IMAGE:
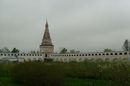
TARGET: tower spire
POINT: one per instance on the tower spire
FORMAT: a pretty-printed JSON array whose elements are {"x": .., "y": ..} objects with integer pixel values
[
  {"x": 46, "y": 37},
  {"x": 46, "y": 25},
  {"x": 46, "y": 46}
]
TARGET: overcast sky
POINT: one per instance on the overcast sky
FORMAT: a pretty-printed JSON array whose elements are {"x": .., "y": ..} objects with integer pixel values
[{"x": 84, "y": 25}]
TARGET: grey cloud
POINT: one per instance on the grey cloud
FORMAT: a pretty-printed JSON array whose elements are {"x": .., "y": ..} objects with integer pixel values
[{"x": 86, "y": 25}]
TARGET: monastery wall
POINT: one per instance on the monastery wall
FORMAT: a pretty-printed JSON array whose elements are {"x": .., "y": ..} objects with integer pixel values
[
  {"x": 90, "y": 56},
  {"x": 21, "y": 57},
  {"x": 65, "y": 57}
]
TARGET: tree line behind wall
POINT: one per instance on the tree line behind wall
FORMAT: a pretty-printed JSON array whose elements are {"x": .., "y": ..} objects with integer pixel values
[
  {"x": 16, "y": 50},
  {"x": 6, "y": 50}
]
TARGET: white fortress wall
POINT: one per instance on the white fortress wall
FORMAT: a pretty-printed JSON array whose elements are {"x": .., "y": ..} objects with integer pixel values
[
  {"x": 90, "y": 56},
  {"x": 65, "y": 57},
  {"x": 21, "y": 57}
]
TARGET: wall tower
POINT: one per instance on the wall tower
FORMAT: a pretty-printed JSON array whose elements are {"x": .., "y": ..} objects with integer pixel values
[{"x": 46, "y": 46}]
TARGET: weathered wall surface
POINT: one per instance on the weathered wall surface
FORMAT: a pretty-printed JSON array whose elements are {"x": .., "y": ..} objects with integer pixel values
[
  {"x": 21, "y": 57},
  {"x": 90, "y": 56},
  {"x": 66, "y": 57}
]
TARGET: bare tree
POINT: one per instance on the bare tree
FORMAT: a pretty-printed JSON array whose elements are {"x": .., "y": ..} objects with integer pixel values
[{"x": 4, "y": 50}]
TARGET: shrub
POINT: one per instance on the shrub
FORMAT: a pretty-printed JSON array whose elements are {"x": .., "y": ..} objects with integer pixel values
[
  {"x": 38, "y": 74},
  {"x": 53, "y": 74},
  {"x": 117, "y": 70}
]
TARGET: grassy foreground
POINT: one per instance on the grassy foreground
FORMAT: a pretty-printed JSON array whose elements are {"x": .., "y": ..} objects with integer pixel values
[
  {"x": 88, "y": 73},
  {"x": 5, "y": 75}
]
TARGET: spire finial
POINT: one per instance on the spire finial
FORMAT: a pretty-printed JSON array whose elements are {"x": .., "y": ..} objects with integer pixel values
[{"x": 46, "y": 23}]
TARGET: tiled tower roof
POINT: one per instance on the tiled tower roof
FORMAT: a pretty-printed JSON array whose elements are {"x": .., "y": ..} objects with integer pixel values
[{"x": 46, "y": 41}]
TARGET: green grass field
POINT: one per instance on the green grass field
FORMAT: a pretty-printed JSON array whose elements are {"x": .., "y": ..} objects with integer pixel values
[
  {"x": 73, "y": 79},
  {"x": 7, "y": 81},
  {"x": 5, "y": 75},
  {"x": 89, "y": 82}
]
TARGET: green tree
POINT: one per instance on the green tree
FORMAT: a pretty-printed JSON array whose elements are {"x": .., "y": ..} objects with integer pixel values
[
  {"x": 107, "y": 50},
  {"x": 34, "y": 52},
  {"x": 15, "y": 50},
  {"x": 64, "y": 50},
  {"x": 74, "y": 51},
  {"x": 126, "y": 46},
  {"x": 0, "y": 50}
]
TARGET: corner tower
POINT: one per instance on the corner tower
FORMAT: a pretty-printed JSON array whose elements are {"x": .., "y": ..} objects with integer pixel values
[{"x": 46, "y": 46}]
